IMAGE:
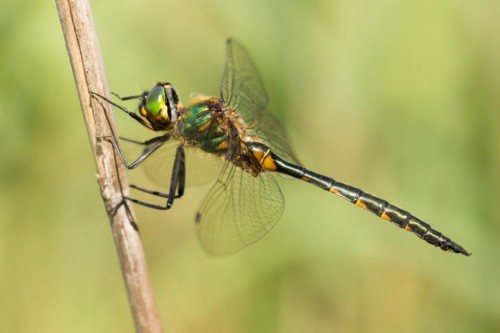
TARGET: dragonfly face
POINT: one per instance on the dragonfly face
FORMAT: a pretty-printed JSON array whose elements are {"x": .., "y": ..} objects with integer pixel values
[
  {"x": 248, "y": 145},
  {"x": 159, "y": 106}
]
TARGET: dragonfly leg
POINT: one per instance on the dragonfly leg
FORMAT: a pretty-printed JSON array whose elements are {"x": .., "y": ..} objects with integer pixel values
[
  {"x": 151, "y": 146},
  {"x": 177, "y": 184},
  {"x": 144, "y": 143},
  {"x": 130, "y": 113},
  {"x": 126, "y": 98}
]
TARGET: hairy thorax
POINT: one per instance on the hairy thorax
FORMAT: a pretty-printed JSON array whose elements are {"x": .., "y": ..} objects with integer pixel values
[{"x": 213, "y": 126}]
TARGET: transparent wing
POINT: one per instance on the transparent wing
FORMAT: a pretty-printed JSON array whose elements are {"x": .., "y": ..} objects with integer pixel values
[
  {"x": 201, "y": 168},
  {"x": 242, "y": 88},
  {"x": 239, "y": 210},
  {"x": 241, "y": 83},
  {"x": 269, "y": 129}
]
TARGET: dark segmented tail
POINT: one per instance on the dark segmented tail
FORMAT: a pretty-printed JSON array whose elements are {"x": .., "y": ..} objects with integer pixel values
[{"x": 375, "y": 205}]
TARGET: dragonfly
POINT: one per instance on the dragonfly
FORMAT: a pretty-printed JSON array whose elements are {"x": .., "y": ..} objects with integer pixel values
[{"x": 236, "y": 140}]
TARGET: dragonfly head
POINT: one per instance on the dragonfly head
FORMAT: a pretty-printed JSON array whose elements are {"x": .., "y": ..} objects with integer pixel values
[{"x": 159, "y": 106}]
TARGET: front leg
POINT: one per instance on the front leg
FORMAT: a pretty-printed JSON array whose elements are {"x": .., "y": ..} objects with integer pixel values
[{"x": 151, "y": 146}]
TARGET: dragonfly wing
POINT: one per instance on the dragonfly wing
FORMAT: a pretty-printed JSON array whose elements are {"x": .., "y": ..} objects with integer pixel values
[
  {"x": 201, "y": 168},
  {"x": 268, "y": 128},
  {"x": 242, "y": 88},
  {"x": 239, "y": 210},
  {"x": 241, "y": 82}
]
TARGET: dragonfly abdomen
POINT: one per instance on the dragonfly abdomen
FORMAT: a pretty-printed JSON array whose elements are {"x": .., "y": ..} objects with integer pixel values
[
  {"x": 396, "y": 215},
  {"x": 383, "y": 209}
]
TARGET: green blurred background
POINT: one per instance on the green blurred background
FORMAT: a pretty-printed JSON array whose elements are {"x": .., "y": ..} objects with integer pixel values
[{"x": 400, "y": 98}]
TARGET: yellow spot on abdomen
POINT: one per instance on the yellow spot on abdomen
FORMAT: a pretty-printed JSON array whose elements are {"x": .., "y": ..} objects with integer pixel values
[
  {"x": 385, "y": 216},
  {"x": 265, "y": 159},
  {"x": 333, "y": 190},
  {"x": 268, "y": 164},
  {"x": 259, "y": 155},
  {"x": 361, "y": 204}
]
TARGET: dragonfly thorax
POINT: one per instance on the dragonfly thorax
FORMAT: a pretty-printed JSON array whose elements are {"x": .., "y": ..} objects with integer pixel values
[
  {"x": 213, "y": 126},
  {"x": 206, "y": 123}
]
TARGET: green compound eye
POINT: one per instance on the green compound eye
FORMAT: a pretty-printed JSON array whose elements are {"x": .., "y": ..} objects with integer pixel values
[{"x": 155, "y": 100}]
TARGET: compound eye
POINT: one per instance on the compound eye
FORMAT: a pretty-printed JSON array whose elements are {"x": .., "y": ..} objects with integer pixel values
[{"x": 155, "y": 101}]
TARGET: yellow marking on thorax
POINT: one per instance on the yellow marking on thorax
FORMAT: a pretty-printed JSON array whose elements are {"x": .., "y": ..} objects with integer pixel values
[
  {"x": 205, "y": 126},
  {"x": 222, "y": 146}
]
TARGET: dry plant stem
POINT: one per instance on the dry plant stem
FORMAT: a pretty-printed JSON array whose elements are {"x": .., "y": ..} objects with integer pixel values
[{"x": 85, "y": 56}]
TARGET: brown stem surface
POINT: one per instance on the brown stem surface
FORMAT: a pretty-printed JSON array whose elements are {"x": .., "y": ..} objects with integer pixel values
[{"x": 88, "y": 69}]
